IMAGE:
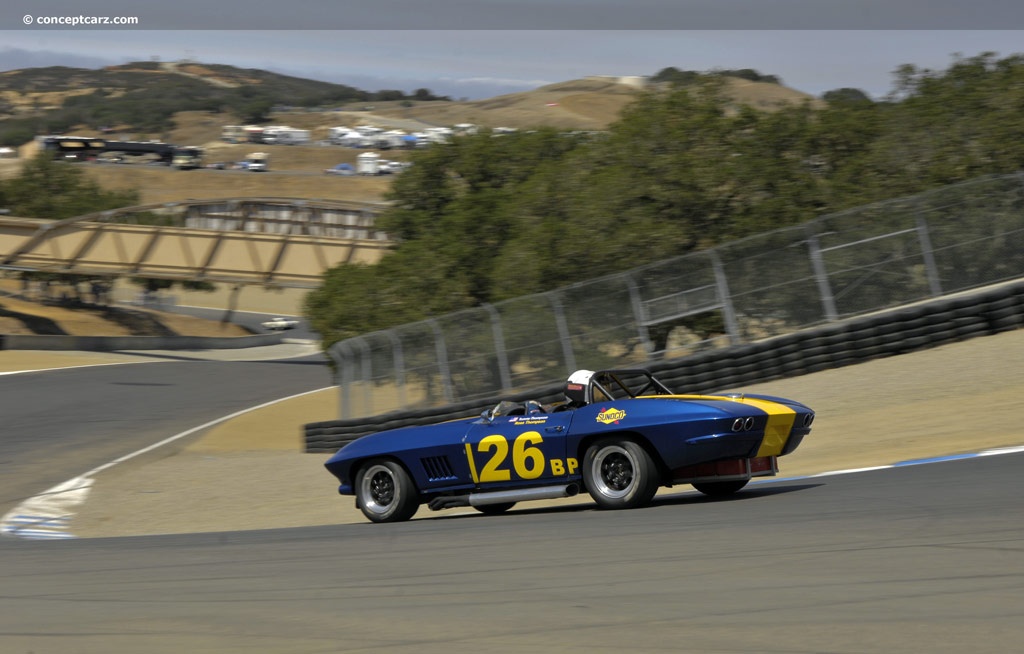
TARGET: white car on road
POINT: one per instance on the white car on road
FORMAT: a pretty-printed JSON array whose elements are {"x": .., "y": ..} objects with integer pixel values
[{"x": 280, "y": 323}]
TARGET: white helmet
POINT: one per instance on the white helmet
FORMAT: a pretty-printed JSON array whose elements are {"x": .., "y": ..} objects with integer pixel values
[{"x": 577, "y": 388}]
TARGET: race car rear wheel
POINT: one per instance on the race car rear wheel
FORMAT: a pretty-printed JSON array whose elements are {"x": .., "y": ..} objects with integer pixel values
[
  {"x": 720, "y": 488},
  {"x": 619, "y": 474},
  {"x": 385, "y": 492},
  {"x": 494, "y": 509}
]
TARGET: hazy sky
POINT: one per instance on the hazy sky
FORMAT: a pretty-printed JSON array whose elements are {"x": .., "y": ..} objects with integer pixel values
[{"x": 480, "y": 61}]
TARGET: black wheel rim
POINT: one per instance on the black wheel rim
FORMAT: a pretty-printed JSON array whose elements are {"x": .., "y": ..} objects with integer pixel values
[
  {"x": 614, "y": 471},
  {"x": 378, "y": 489}
]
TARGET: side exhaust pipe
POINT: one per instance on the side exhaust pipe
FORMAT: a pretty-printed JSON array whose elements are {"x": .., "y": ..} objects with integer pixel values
[
  {"x": 499, "y": 497},
  {"x": 523, "y": 495}
]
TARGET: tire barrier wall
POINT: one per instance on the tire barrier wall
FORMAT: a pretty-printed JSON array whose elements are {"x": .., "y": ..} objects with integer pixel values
[
  {"x": 115, "y": 343},
  {"x": 899, "y": 331}
]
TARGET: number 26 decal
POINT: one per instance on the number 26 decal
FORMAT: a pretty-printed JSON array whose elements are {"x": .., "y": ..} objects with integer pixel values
[{"x": 528, "y": 460}]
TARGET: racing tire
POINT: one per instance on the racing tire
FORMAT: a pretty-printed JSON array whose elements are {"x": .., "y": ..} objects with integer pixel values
[
  {"x": 619, "y": 474},
  {"x": 494, "y": 509},
  {"x": 385, "y": 492},
  {"x": 720, "y": 488}
]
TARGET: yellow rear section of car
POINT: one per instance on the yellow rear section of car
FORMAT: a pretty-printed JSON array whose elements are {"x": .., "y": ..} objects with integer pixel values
[
  {"x": 780, "y": 419},
  {"x": 780, "y": 424}
]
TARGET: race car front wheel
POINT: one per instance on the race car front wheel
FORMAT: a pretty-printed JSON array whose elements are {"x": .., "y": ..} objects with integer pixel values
[
  {"x": 385, "y": 492},
  {"x": 619, "y": 474}
]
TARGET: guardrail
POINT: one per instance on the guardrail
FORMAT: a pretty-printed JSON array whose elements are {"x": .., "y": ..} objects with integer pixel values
[
  {"x": 907, "y": 329},
  {"x": 831, "y": 269}
]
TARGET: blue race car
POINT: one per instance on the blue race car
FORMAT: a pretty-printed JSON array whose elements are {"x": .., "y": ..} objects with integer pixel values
[{"x": 619, "y": 435}]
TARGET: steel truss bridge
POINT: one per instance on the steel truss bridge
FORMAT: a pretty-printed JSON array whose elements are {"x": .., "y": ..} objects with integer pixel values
[{"x": 280, "y": 242}]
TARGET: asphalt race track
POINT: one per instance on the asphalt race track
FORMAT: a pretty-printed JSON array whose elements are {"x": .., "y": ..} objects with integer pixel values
[
  {"x": 909, "y": 559},
  {"x": 923, "y": 558},
  {"x": 912, "y": 559},
  {"x": 60, "y": 424}
]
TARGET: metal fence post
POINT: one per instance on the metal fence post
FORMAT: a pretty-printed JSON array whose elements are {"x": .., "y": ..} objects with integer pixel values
[
  {"x": 929, "y": 256},
  {"x": 398, "y": 356},
  {"x": 638, "y": 313},
  {"x": 563, "y": 331},
  {"x": 499, "y": 347},
  {"x": 442, "y": 360},
  {"x": 722, "y": 283},
  {"x": 828, "y": 301},
  {"x": 343, "y": 377},
  {"x": 366, "y": 369}
]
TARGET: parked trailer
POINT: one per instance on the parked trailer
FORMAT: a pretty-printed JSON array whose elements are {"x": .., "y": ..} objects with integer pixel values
[
  {"x": 337, "y": 134},
  {"x": 253, "y": 134},
  {"x": 393, "y": 139},
  {"x": 292, "y": 136},
  {"x": 285, "y": 135},
  {"x": 233, "y": 134}
]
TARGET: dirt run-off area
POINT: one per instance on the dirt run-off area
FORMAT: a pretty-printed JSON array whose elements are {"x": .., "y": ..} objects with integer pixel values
[{"x": 251, "y": 472}]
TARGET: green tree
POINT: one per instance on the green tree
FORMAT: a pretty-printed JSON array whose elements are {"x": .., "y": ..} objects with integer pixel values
[
  {"x": 487, "y": 218},
  {"x": 54, "y": 190},
  {"x": 454, "y": 215},
  {"x": 846, "y": 95}
]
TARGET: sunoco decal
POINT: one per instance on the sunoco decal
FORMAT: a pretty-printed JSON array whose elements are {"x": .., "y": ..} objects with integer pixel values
[{"x": 611, "y": 415}]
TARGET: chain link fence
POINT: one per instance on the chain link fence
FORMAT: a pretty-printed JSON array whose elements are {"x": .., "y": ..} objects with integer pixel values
[{"x": 841, "y": 265}]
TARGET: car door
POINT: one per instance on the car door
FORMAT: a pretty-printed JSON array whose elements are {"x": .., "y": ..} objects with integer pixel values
[{"x": 525, "y": 450}]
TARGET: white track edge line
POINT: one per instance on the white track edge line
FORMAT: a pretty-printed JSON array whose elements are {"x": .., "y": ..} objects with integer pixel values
[
  {"x": 84, "y": 365},
  {"x": 49, "y": 506}
]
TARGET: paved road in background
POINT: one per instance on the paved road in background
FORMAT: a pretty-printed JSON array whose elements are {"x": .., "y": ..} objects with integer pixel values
[
  {"x": 248, "y": 319},
  {"x": 60, "y": 424},
  {"x": 928, "y": 558}
]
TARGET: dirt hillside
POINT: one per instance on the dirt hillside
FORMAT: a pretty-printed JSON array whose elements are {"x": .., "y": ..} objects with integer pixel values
[
  {"x": 297, "y": 171},
  {"x": 593, "y": 103}
]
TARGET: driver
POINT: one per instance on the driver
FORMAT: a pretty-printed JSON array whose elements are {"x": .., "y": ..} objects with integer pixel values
[{"x": 577, "y": 389}]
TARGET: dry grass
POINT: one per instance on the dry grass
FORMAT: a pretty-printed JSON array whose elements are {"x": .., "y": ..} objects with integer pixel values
[
  {"x": 297, "y": 171},
  {"x": 563, "y": 106},
  {"x": 23, "y": 104},
  {"x": 766, "y": 96},
  {"x": 585, "y": 104},
  {"x": 159, "y": 184}
]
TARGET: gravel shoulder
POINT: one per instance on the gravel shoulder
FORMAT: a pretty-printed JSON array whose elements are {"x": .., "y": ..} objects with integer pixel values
[{"x": 251, "y": 473}]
